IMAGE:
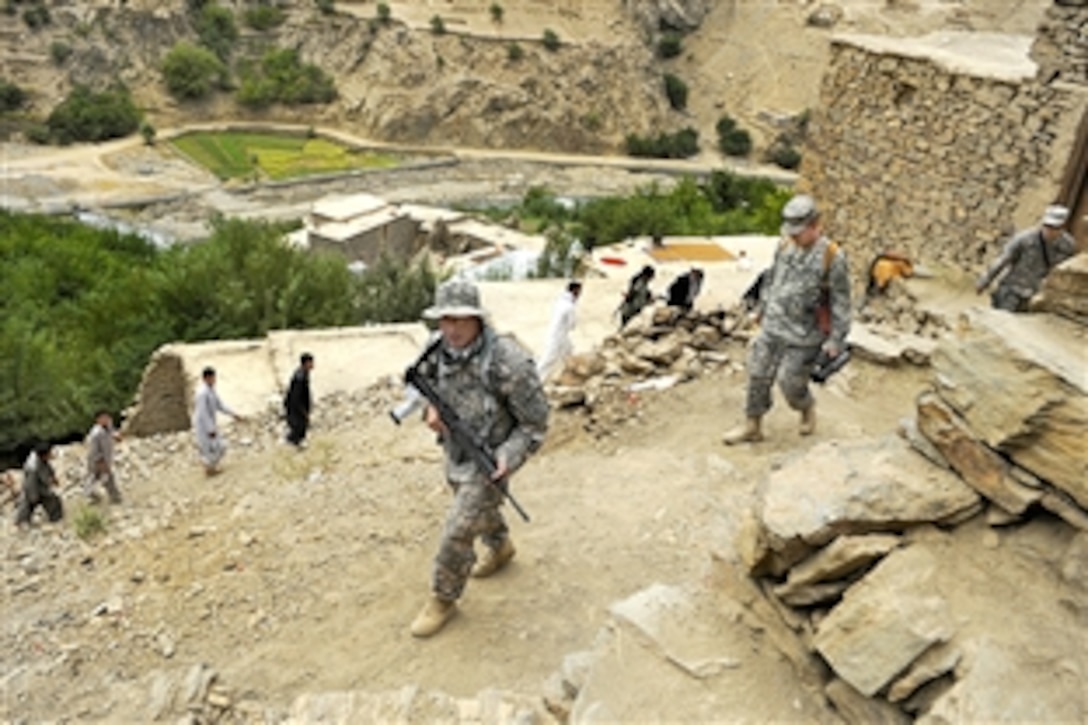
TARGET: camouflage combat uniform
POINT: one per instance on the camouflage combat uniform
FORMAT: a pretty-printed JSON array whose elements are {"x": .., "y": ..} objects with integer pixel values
[
  {"x": 1029, "y": 258},
  {"x": 790, "y": 340},
  {"x": 494, "y": 387}
]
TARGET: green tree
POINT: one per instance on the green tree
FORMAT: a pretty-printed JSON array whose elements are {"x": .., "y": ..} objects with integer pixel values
[
  {"x": 217, "y": 30},
  {"x": 327, "y": 7},
  {"x": 282, "y": 77},
  {"x": 676, "y": 91},
  {"x": 385, "y": 14},
  {"x": 396, "y": 291},
  {"x": 496, "y": 12},
  {"x": 550, "y": 40},
  {"x": 437, "y": 26},
  {"x": 192, "y": 72},
  {"x": 88, "y": 116},
  {"x": 59, "y": 51},
  {"x": 264, "y": 17},
  {"x": 670, "y": 46},
  {"x": 147, "y": 131},
  {"x": 514, "y": 52}
]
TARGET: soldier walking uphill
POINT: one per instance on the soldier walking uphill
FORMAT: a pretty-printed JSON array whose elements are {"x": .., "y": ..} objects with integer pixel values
[
  {"x": 1029, "y": 257},
  {"x": 809, "y": 275},
  {"x": 493, "y": 385}
]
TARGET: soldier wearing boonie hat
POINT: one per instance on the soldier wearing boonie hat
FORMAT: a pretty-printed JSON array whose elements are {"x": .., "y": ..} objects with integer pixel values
[
  {"x": 493, "y": 384},
  {"x": 809, "y": 274},
  {"x": 1029, "y": 257}
]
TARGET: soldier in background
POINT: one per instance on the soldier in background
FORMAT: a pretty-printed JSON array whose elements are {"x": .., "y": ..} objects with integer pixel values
[
  {"x": 1029, "y": 257},
  {"x": 809, "y": 280},
  {"x": 492, "y": 383},
  {"x": 100, "y": 440}
]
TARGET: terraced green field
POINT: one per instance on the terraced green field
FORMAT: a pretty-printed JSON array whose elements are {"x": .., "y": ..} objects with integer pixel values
[{"x": 245, "y": 155}]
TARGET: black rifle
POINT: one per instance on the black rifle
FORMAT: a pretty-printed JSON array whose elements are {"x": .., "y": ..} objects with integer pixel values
[{"x": 464, "y": 436}]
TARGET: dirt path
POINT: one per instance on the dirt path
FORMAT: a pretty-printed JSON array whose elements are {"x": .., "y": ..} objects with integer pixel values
[{"x": 300, "y": 572}]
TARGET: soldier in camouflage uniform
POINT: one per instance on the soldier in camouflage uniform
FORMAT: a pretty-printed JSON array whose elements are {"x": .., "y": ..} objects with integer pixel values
[
  {"x": 492, "y": 383},
  {"x": 808, "y": 270},
  {"x": 1029, "y": 257}
]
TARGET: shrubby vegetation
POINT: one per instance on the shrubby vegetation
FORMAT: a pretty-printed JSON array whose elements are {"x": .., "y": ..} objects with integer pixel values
[
  {"x": 679, "y": 145},
  {"x": 12, "y": 97},
  {"x": 327, "y": 7},
  {"x": 733, "y": 140},
  {"x": 192, "y": 72},
  {"x": 550, "y": 39},
  {"x": 671, "y": 45},
  {"x": 84, "y": 308},
  {"x": 59, "y": 51},
  {"x": 89, "y": 116},
  {"x": 722, "y": 204},
  {"x": 281, "y": 77},
  {"x": 438, "y": 26},
  {"x": 264, "y": 17},
  {"x": 514, "y": 52},
  {"x": 676, "y": 91},
  {"x": 496, "y": 12},
  {"x": 217, "y": 30}
]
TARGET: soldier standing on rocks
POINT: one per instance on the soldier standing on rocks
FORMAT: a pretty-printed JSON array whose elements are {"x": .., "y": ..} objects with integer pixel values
[
  {"x": 809, "y": 274},
  {"x": 297, "y": 402},
  {"x": 493, "y": 385},
  {"x": 100, "y": 440},
  {"x": 39, "y": 480},
  {"x": 1029, "y": 257},
  {"x": 208, "y": 441}
]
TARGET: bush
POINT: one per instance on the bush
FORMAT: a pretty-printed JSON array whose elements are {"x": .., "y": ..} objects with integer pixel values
[
  {"x": 385, "y": 15},
  {"x": 784, "y": 155},
  {"x": 676, "y": 91},
  {"x": 679, "y": 145},
  {"x": 216, "y": 30},
  {"x": 192, "y": 72},
  {"x": 733, "y": 140},
  {"x": 437, "y": 26},
  {"x": 496, "y": 12},
  {"x": 327, "y": 7},
  {"x": 551, "y": 40},
  {"x": 281, "y": 77},
  {"x": 670, "y": 46},
  {"x": 147, "y": 131},
  {"x": 59, "y": 51},
  {"x": 88, "y": 116},
  {"x": 514, "y": 52},
  {"x": 37, "y": 16},
  {"x": 89, "y": 522},
  {"x": 396, "y": 291},
  {"x": 264, "y": 17},
  {"x": 12, "y": 97}
]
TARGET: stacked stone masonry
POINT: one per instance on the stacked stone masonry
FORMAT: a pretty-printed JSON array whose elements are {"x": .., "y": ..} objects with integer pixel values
[
  {"x": 1062, "y": 46},
  {"x": 908, "y": 154}
]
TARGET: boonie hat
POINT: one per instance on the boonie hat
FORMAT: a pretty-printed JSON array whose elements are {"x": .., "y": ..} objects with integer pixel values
[
  {"x": 798, "y": 212},
  {"x": 1055, "y": 216},
  {"x": 455, "y": 298}
]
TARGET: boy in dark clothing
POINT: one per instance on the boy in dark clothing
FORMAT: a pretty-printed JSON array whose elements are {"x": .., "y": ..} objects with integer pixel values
[
  {"x": 297, "y": 402},
  {"x": 38, "y": 483}
]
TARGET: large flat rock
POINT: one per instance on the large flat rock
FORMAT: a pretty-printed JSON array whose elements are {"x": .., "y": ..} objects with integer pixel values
[
  {"x": 870, "y": 485},
  {"x": 885, "y": 622},
  {"x": 1065, "y": 290},
  {"x": 1020, "y": 382}
]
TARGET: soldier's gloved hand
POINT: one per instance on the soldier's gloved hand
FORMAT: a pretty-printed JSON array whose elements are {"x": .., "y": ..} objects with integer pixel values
[{"x": 831, "y": 350}]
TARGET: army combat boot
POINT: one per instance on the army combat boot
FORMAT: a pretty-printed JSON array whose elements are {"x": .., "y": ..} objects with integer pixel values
[
  {"x": 433, "y": 617},
  {"x": 808, "y": 420},
  {"x": 494, "y": 559},
  {"x": 750, "y": 432}
]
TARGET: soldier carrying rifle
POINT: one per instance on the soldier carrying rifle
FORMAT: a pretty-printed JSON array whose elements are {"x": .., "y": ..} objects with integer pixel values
[{"x": 491, "y": 383}]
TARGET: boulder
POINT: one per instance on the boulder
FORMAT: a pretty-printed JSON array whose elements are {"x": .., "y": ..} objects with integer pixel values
[
  {"x": 936, "y": 662},
  {"x": 826, "y": 16},
  {"x": 1020, "y": 384},
  {"x": 982, "y": 469},
  {"x": 890, "y": 347},
  {"x": 866, "y": 486},
  {"x": 885, "y": 621},
  {"x": 842, "y": 557},
  {"x": 1065, "y": 290},
  {"x": 661, "y": 352}
]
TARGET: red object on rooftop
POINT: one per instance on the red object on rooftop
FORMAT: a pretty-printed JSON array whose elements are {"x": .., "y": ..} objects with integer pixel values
[{"x": 616, "y": 261}]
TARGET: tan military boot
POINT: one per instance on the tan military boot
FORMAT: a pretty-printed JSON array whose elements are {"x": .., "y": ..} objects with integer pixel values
[
  {"x": 433, "y": 617},
  {"x": 750, "y": 432},
  {"x": 808, "y": 420},
  {"x": 494, "y": 559}
]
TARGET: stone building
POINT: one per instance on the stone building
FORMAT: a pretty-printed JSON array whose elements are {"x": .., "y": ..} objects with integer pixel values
[
  {"x": 361, "y": 228},
  {"x": 941, "y": 146}
]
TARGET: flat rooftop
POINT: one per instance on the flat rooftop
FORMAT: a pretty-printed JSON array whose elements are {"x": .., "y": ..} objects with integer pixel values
[{"x": 996, "y": 56}]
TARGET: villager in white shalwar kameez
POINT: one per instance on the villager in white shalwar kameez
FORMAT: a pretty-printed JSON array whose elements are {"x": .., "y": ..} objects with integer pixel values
[
  {"x": 208, "y": 441},
  {"x": 559, "y": 346}
]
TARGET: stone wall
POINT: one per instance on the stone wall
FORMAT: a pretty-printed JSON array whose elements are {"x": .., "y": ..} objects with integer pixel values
[
  {"x": 938, "y": 146},
  {"x": 1062, "y": 47}
]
